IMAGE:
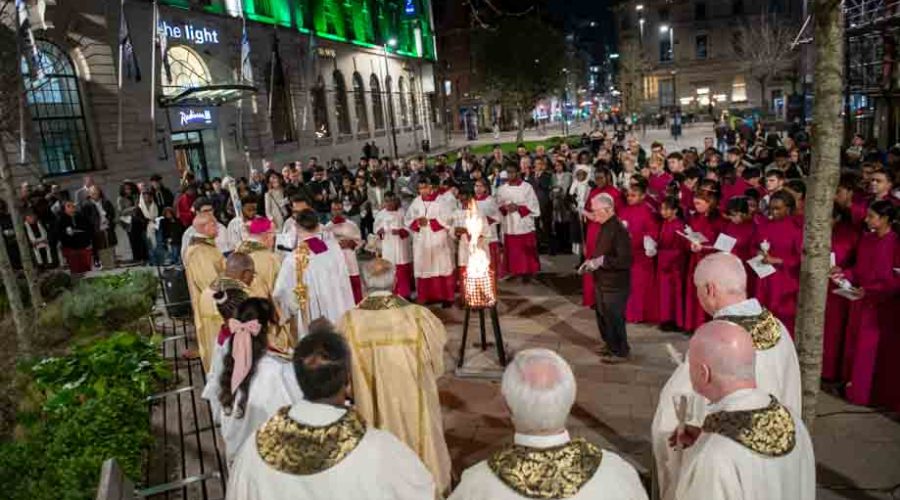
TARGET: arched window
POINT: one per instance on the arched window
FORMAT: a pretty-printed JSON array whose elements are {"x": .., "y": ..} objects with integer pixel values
[
  {"x": 183, "y": 69},
  {"x": 320, "y": 110},
  {"x": 340, "y": 103},
  {"x": 359, "y": 101},
  {"x": 413, "y": 101},
  {"x": 391, "y": 103},
  {"x": 281, "y": 114},
  {"x": 377, "y": 103},
  {"x": 57, "y": 115},
  {"x": 404, "y": 106}
]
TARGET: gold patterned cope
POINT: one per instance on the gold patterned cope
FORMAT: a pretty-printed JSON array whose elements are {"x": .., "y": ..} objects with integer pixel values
[
  {"x": 769, "y": 431},
  {"x": 294, "y": 448},
  {"x": 763, "y": 327},
  {"x": 382, "y": 302},
  {"x": 202, "y": 240},
  {"x": 558, "y": 472},
  {"x": 250, "y": 246},
  {"x": 224, "y": 283}
]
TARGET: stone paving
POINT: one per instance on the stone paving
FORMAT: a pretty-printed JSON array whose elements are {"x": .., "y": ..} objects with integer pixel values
[{"x": 858, "y": 450}]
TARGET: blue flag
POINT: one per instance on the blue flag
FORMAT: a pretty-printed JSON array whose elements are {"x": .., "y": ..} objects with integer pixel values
[{"x": 246, "y": 67}]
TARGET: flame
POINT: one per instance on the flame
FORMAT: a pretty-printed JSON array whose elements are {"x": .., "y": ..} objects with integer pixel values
[{"x": 479, "y": 264}]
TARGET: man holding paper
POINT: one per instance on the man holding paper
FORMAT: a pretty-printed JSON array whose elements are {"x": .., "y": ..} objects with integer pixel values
[{"x": 721, "y": 284}]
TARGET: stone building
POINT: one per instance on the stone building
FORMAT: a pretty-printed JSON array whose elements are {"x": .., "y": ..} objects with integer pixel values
[
  {"x": 681, "y": 53},
  {"x": 328, "y": 76}
]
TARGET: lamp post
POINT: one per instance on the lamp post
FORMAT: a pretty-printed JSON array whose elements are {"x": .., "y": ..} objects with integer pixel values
[{"x": 387, "y": 78}]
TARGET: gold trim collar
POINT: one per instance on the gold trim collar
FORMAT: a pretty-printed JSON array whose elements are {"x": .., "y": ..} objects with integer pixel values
[
  {"x": 544, "y": 473},
  {"x": 250, "y": 246},
  {"x": 764, "y": 328},
  {"x": 768, "y": 431},
  {"x": 381, "y": 302},
  {"x": 201, "y": 240},
  {"x": 294, "y": 448}
]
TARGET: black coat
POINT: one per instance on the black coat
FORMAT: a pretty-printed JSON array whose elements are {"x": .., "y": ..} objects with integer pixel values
[
  {"x": 92, "y": 216},
  {"x": 614, "y": 244},
  {"x": 73, "y": 232}
]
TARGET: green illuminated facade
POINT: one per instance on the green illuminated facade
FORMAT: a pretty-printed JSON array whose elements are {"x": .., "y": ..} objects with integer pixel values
[{"x": 369, "y": 23}]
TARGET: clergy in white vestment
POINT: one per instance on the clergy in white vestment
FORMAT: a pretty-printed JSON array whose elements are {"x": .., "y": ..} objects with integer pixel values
[
  {"x": 752, "y": 447},
  {"x": 349, "y": 238},
  {"x": 544, "y": 462},
  {"x": 721, "y": 288},
  {"x": 287, "y": 240},
  {"x": 204, "y": 205},
  {"x": 318, "y": 265},
  {"x": 487, "y": 206},
  {"x": 255, "y": 381},
  {"x": 429, "y": 220},
  {"x": 519, "y": 208},
  {"x": 395, "y": 244},
  {"x": 321, "y": 449},
  {"x": 237, "y": 228}
]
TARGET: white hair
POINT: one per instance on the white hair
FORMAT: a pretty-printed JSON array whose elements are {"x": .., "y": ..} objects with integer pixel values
[
  {"x": 605, "y": 200},
  {"x": 539, "y": 389},
  {"x": 725, "y": 270},
  {"x": 381, "y": 279}
]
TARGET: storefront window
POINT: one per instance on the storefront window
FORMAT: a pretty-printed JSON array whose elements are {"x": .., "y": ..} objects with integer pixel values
[
  {"x": 320, "y": 110},
  {"x": 57, "y": 115},
  {"x": 359, "y": 101},
  {"x": 183, "y": 69},
  {"x": 341, "y": 110},
  {"x": 377, "y": 103},
  {"x": 404, "y": 106}
]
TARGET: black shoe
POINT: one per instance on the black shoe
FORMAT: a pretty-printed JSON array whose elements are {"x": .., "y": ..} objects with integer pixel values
[{"x": 613, "y": 359}]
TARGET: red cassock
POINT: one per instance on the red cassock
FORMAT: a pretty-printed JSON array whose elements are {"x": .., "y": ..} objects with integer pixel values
[
  {"x": 657, "y": 184},
  {"x": 694, "y": 315},
  {"x": 778, "y": 292},
  {"x": 844, "y": 238},
  {"x": 641, "y": 221},
  {"x": 671, "y": 265},
  {"x": 729, "y": 191},
  {"x": 590, "y": 239},
  {"x": 686, "y": 198},
  {"x": 872, "y": 344}
]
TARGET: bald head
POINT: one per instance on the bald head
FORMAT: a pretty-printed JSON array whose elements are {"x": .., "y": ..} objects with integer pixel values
[
  {"x": 721, "y": 281},
  {"x": 205, "y": 224},
  {"x": 239, "y": 266},
  {"x": 722, "y": 360}
]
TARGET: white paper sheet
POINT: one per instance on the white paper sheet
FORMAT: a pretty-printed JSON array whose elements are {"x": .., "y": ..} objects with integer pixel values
[
  {"x": 693, "y": 237},
  {"x": 852, "y": 294},
  {"x": 833, "y": 260},
  {"x": 725, "y": 243},
  {"x": 649, "y": 244},
  {"x": 759, "y": 267}
]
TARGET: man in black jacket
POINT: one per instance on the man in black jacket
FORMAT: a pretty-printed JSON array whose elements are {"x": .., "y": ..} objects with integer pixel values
[{"x": 611, "y": 266}]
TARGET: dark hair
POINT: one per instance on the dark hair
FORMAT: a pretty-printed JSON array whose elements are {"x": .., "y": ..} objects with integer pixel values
[
  {"x": 249, "y": 199},
  {"x": 322, "y": 362},
  {"x": 300, "y": 197},
  {"x": 752, "y": 193},
  {"x": 797, "y": 186},
  {"x": 775, "y": 172},
  {"x": 739, "y": 205},
  {"x": 673, "y": 203},
  {"x": 251, "y": 309},
  {"x": 228, "y": 300},
  {"x": 307, "y": 219},
  {"x": 693, "y": 173},
  {"x": 675, "y": 156},
  {"x": 638, "y": 183},
  {"x": 751, "y": 173},
  {"x": 201, "y": 202},
  {"x": 884, "y": 208},
  {"x": 786, "y": 198}
]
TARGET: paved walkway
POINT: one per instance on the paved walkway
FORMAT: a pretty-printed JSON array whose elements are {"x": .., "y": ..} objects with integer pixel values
[{"x": 858, "y": 451}]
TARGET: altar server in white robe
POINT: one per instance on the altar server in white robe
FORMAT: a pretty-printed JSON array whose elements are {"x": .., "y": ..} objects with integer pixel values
[
  {"x": 321, "y": 449},
  {"x": 429, "y": 220},
  {"x": 237, "y": 228},
  {"x": 544, "y": 462},
  {"x": 463, "y": 240},
  {"x": 255, "y": 381},
  {"x": 327, "y": 292},
  {"x": 519, "y": 209},
  {"x": 721, "y": 288},
  {"x": 395, "y": 243},
  {"x": 349, "y": 238},
  {"x": 752, "y": 446},
  {"x": 487, "y": 205}
]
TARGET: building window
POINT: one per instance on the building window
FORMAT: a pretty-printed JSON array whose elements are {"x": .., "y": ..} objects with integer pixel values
[
  {"x": 665, "y": 47},
  {"x": 320, "y": 110},
  {"x": 262, "y": 8},
  {"x": 280, "y": 109},
  {"x": 340, "y": 104},
  {"x": 377, "y": 103},
  {"x": 183, "y": 69},
  {"x": 737, "y": 7},
  {"x": 739, "y": 89},
  {"x": 414, "y": 105},
  {"x": 57, "y": 114},
  {"x": 700, "y": 11},
  {"x": 666, "y": 92},
  {"x": 391, "y": 101},
  {"x": 404, "y": 105},
  {"x": 359, "y": 104},
  {"x": 701, "y": 46}
]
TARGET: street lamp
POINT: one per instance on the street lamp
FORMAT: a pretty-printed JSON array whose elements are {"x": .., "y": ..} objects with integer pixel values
[{"x": 392, "y": 43}]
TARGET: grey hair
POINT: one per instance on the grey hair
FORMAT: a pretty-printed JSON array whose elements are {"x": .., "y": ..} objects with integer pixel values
[
  {"x": 606, "y": 200},
  {"x": 382, "y": 281},
  {"x": 539, "y": 388},
  {"x": 725, "y": 270}
]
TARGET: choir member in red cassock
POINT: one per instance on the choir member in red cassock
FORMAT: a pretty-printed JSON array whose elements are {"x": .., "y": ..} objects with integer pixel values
[
  {"x": 844, "y": 238},
  {"x": 640, "y": 220},
  {"x": 706, "y": 221},
  {"x": 780, "y": 242},
  {"x": 671, "y": 264},
  {"x": 870, "y": 364}
]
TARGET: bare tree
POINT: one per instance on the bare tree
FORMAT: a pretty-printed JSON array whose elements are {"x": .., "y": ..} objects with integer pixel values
[
  {"x": 633, "y": 65},
  {"x": 823, "y": 179},
  {"x": 764, "y": 48}
]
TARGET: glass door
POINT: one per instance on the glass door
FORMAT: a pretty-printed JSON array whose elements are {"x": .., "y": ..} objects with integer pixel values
[{"x": 189, "y": 154}]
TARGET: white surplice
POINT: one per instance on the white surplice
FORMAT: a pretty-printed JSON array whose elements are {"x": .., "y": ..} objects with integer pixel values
[
  {"x": 777, "y": 372},
  {"x": 432, "y": 254},
  {"x": 394, "y": 248},
  {"x": 488, "y": 208},
  {"x": 462, "y": 242},
  {"x": 719, "y": 468},
  {"x": 237, "y": 231},
  {"x": 615, "y": 479},
  {"x": 222, "y": 241},
  {"x": 522, "y": 195},
  {"x": 328, "y": 287},
  {"x": 273, "y": 386},
  {"x": 347, "y": 230},
  {"x": 379, "y": 468}
]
